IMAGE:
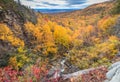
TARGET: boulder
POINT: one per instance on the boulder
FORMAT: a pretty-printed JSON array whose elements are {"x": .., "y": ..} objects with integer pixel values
[
  {"x": 1, "y": 9},
  {"x": 116, "y": 78},
  {"x": 113, "y": 75},
  {"x": 112, "y": 72},
  {"x": 114, "y": 65}
]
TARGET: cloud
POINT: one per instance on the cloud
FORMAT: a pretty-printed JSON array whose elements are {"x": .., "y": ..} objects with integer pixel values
[
  {"x": 50, "y": 4},
  {"x": 75, "y": 2},
  {"x": 59, "y": 4},
  {"x": 29, "y": 0}
]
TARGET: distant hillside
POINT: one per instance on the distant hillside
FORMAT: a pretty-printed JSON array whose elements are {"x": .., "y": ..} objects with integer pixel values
[
  {"x": 52, "y": 11},
  {"x": 90, "y": 10},
  {"x": 89, "y": 15}
]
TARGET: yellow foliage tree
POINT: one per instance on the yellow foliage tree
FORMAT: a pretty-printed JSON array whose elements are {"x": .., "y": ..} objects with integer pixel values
[
  {"x": 41, "y": 38},
  {"x": 7, "y": 35},
  {"x": 106, "y": 23},
  {"x": 61, "y": 36},
  {"x": 49, "y": 46},
  {"x": 19, "y": 59}
]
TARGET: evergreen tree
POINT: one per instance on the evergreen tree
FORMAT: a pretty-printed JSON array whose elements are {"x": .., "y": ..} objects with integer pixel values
[
  {"x": 19, "y": 2},
  {"x": 116, "y": 9}
]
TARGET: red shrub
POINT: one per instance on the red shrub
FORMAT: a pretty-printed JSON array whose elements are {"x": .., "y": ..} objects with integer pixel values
[
  {"x": 35, "y": 74},
  {"x": 7, "y": 74},
  {"x": 97, "y": 75}
]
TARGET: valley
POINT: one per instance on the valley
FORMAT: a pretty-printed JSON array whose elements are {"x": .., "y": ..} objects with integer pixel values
[{"x": 33, "y": 45}]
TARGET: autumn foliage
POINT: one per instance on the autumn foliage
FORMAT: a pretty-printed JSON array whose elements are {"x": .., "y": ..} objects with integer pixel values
[
  {"x": 98, "y": 75},
  {"x": 85, "y": 40}
]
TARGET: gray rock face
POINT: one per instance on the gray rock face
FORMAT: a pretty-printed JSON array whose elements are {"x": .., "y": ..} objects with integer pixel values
[
  {"x": 113, "y": 74},
  {"x": 106, "y": 81},
  {"x": 1, "y": 9},
  {"x": 114, "y": 65}
]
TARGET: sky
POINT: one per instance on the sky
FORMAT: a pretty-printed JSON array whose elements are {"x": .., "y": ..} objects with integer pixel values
[{"x": 59, "y": 4}]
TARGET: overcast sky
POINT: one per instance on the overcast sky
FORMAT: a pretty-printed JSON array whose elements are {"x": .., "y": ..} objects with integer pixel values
[{"x": 59, "y": 4}]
